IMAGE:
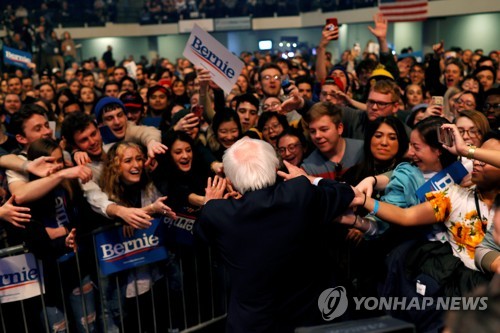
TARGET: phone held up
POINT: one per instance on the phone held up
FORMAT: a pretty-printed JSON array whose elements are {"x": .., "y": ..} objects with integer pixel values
[
  {"x": 445, "y": 136},
  {"x": 198, "y": 110},
  {"x": 331, "y": 23},
  {"x": 437, "y": 100}
]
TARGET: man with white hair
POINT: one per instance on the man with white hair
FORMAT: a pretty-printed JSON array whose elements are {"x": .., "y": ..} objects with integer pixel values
[{"x": 270, "y": 237}]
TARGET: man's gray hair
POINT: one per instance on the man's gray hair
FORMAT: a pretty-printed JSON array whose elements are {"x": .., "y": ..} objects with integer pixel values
[{"x": 250, "y": 165}]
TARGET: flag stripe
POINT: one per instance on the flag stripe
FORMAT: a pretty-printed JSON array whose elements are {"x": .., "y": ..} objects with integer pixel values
[
  {"x": 404, "y": 11},
  {"x": 387, "y": 7}
]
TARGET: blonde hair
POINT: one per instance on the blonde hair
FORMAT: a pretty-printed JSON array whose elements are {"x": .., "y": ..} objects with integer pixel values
[{"x": 110, "y": 180}]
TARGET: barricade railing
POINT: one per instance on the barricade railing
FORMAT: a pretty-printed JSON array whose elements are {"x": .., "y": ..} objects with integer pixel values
[{"x": 184, "y": 292}]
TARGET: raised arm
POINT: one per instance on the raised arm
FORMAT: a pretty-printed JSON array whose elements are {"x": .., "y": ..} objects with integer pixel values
[{"x": 321, "y": 63}]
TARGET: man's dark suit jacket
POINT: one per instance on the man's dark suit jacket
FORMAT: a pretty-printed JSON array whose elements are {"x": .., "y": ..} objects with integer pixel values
[{"x": 270, "y": 242}]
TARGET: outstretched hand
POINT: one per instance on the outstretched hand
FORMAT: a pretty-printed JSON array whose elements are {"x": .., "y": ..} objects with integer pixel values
[
  {"x": 359, "y": 198},
  {"x": 43, "y": 166},
  {"x": 215, "y": 189},
  {"x": 293, "y": 172},
  {"x": 294, "y": 102},
  {"x": 366, "y": 186},
  {"x": 14, "y": 214}
]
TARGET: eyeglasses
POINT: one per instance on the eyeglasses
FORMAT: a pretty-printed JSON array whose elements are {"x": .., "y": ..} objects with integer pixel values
[
  {"x": 461, "y": 101},
  {"x": 273, "y": 127},
  {"x": 381, "y": 105},
  {"x": 488, "y": 106},
  {"x": 271, "y": 106},
  {"x": 472, "y": 132},
  {"x": 292, "y": 148},
  {"x": 269, "y": 77}
]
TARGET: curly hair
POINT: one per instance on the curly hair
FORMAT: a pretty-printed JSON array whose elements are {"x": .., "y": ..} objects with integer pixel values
[{"x": 110, "y": 180}]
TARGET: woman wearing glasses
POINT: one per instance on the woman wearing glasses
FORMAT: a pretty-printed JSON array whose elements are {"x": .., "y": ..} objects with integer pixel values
[
  {"x": 271, "y": 125},
  {"x": 292, "y": 146},
  {"x": 467, "y": 100},
  {"x": 472, "y": 126}
]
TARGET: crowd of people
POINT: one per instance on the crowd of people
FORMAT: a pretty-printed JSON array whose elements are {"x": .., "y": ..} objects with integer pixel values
[
  {"x": 98, "y": 12},
  {"x": 87, "y": 144}
]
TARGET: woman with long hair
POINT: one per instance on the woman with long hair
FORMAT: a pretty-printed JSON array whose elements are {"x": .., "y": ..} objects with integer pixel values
[
  {"x": 179, "y": 92},
  {"x": 385, "y": 146},
  {"x": 125, "y": 180}
]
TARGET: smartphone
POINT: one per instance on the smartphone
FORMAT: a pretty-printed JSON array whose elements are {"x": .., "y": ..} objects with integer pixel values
[
  {"x": 285, "y": 84},
  {"x": 437, "y": 100},
  {"x": 198, "y": 110},
  {"x": 445, "y": 136},
  {"x": 332, "y": 23}
]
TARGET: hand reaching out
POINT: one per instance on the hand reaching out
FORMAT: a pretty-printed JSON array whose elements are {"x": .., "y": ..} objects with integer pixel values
[
  {"x": 43, "y": 166},
  {"x": 160, "y": 208},
  {"x": 81, "y": 158},
  {"x": 366, "y": 186},
  {"x": 14, "y": 214},
  {"x": 294, "y": 172},
  {"x": 215, "y": 189}
]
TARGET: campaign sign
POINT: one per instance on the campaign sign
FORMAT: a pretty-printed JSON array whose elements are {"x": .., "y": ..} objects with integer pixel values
[
  {"x": 16, "y": 58},
  {"x": 116, "y": 252},
  {"x": 453, "y": 174},
  {"x": 180, "y": 230},
  {"x": 20, "y": 278},
  {"x": 205, "y": 51}
]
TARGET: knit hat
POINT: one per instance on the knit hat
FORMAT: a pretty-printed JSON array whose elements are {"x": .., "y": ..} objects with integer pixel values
[
  {"x": 380, "y": 73},
  {"x": 132, "y": 101},
  {"x": 102, "y": 103}
]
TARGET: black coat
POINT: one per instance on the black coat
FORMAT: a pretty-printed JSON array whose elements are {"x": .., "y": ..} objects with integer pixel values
[{"x": 269, "y": 240}]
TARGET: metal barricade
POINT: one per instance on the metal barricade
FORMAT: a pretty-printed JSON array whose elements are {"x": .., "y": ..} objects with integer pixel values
[{"x": 187, "y": 292}]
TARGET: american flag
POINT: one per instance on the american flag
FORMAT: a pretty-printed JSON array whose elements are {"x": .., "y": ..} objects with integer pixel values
[{"x": 403, "y": 10}]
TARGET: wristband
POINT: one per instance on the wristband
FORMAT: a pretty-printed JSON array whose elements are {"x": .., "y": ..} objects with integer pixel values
[
  {"x": 375, "y": 182},
  {"x": 355, "y": 220},
  {"x": 470, "y": 152},
  {"x": 364, "y": 201},
  {"x": 375, "y": 208}
]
